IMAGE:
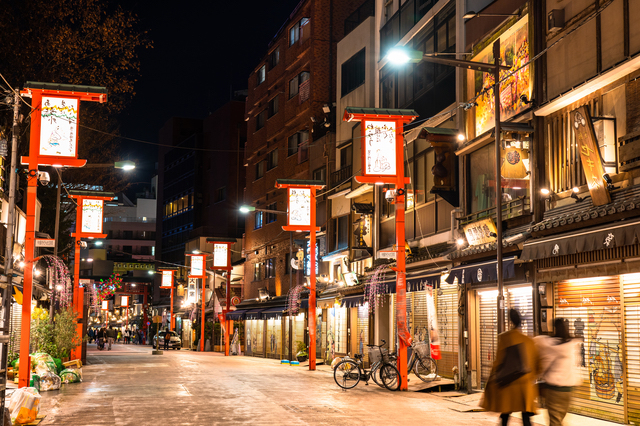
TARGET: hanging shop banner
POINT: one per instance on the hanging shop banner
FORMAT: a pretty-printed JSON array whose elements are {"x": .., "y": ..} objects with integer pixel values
[
  {"x": 434, "y": 338},
  {"x": 167, "y": 279},
  {"x": 92, "y": 216},
  {"x": 590, "y": 156},
  {"x": 514, "y": 52},
  {"x": 105, "y": 305},
  {"x": 124, "y": 300},
  {"x": 191, "y": 290},
  {"x": 299, "y": 206},
  {"x": 220, "y": 255},
  {"x": 480, "y": 232},
  {"x": 59, "y": 127},
  {"x": 197, "y": 266},
  {"x": 380, "y": 148}
]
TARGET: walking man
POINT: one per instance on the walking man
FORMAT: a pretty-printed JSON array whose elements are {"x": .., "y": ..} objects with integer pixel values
[{"x": 111, "y": 336}]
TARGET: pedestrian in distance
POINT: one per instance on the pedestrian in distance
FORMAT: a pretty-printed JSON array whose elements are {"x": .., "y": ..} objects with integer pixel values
[
  {"x": 511, "y": 386},
  {"x": 559, "y": 361},
  {"x": 111, "y": 336},
  {"x": 167, "y": 339},
  {"x": 119, "y": 336},
  {"x": 90, "y": 334}
]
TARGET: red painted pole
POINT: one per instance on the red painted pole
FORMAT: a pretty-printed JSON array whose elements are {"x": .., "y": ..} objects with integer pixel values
[
  {"x": 401, "y": 288},
  {"x": 312, "y": 284},
  {"x": 228, "y": 323},
  {"x": 172, "y": 323},
  {"x": 203, "y": 280},
  {"x": 77, "y": 307},
  {"x": 144, "y": 309}
]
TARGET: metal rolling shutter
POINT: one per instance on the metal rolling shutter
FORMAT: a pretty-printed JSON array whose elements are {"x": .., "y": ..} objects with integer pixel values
[
  {"x": 631, "y": 286},
  {"x": 592, "y": 306},
  {"x": 521, "y": 299},
  {"x": 362, "y": 336},
  {"x": 15, "y": 327},
  {"x": 488, "y": 332},
  {"x": 446, "y": 298},
  {"x": 340, "y": 330}
]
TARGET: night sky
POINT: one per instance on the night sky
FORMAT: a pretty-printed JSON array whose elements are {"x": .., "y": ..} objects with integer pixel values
[{"x": 203, "y": 50}]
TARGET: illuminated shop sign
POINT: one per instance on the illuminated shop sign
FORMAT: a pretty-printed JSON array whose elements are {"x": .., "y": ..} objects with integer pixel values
[
  {"x": 92, "y": 216},
  {"x": 58, "y": 127},
  {"x": 299, "y": 207},
  {"x": 380, "y": 148},
  {"x": 220, "y": 255}
]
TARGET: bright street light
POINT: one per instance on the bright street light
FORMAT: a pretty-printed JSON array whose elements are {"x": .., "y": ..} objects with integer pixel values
[
  {"x": 247, "y": 209},
  {"x": 402, "y": 55},
  {"x": 125, "y": 165}
]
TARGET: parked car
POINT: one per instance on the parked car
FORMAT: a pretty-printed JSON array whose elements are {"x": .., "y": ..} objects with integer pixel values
[{"x": 174, "y": 343}]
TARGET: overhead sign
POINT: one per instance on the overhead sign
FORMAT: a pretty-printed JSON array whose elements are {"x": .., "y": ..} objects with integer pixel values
[
  {"x": 124, "y": 301},
  {"x": 197, "y": 265},
  {"x": 299, "y": 206},
  {"x": 167, "y": 279},
  {"x": 480, "y": 232},
  {"x": 380, "y": 148},
  {"x": 45, "y": 242},
  {"x": 590, "y": 155},
  {"x": 59, "y": 127},
  {"x": 191, "y": 290},
  {"x": 105, "y": 305},
  {"x": 220, "y": 255},
  {"x": 92, "y": 212}
]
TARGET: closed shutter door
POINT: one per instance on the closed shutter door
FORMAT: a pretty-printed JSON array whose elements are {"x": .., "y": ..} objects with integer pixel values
[
  {"x": 248, "y": 333},
  {"x": 631, "y": 285},
  {"x": 15, "y": 327},
  {"x": 363, "y": 331},
  {"x": 341, "y": 330},
  {"x": 446, "y": 299},
  {"x": 488, "y": 332},
  {"x": 325, "y": 324},
  {"x": 592, "y": 307},
  {"x": 521, "y": 299},
  {"x": 259, "y": 336}
]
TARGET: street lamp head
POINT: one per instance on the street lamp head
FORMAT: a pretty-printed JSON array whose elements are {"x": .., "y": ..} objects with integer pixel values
[
  {"x": 125, "y": 165},
  {"x": 470, "y": 14},
  {"x": 247, "y": 209},
  {"x": 402, "y": 55}
]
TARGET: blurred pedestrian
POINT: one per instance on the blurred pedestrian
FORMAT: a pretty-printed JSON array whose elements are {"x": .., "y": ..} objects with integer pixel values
[
  {"x": 119, "y": 336},
  {"x": 167, "y": 339},
  {"x": 559, "y": 361},
  {"x": 511, "y": 386},
  {"x": 111, "y": 336}
]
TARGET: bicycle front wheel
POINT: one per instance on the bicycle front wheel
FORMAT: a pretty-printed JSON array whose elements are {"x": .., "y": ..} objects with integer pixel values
[
  {"x": 390, "y": 377},
  {"x": 426, "y": 369},
  {"x": 347, "y": 374},
  {"x": 375, "y": 375}
]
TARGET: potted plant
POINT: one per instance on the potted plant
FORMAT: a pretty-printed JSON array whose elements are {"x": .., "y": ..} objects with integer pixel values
[{"x": 301, "y": 351}]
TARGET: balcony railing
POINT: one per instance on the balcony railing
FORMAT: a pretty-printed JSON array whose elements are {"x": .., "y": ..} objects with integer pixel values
[
  {"x": 514, "y": 208},
  {"x": 341, "y": 175}
]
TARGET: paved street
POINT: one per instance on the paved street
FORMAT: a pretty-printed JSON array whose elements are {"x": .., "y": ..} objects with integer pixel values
[{"x": 129, "y": 386}]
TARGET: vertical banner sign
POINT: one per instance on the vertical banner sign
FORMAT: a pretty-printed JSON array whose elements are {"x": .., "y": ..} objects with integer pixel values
[
  {"x": 197, "y": 266},
  {"x": 380, "y": 148},
  {"x": 300, "y": 206},
  {"x": 220, "y": 255},
  {"x": 434, "y": 338},
  {"x": 191, "y": 290},
  {"x": 105, "y": 305},
  {"x": 590, "y": 156},
  {"x": 59, "y": 127},
  {"x": 92, "y": 216},
  {"x": 167, "y": 279},
  {"x": 124, "y": 301}
]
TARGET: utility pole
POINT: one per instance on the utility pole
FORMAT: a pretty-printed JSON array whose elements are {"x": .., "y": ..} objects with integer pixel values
[{"x": 8, "y": 254}]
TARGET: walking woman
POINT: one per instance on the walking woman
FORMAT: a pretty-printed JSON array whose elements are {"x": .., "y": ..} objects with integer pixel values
[
  {"x": 559, "y": 361},
  {"x": 516, "y": 392}
]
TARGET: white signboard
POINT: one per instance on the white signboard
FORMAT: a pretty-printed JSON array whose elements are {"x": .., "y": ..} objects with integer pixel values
[
  {"x": 197, "y": 266},
  {"x": 58, "y": 127},
  {"x": 300, "y": 206},
  {"x": 124, "y": 301},
  {"x": 387, "y": 255},
  {"x": 45, "y": 242},
  {"x": 105, "y": 305},
  {"x": 380, "y": 148},
  {"x": 92, "y": 216},
  {"x": 220, "y": 256},
  {"x": 191, "y": 290},
  {"x": 167, "y": 278}
]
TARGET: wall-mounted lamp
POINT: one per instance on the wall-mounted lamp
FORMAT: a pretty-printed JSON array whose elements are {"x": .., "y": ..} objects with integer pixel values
[
  {"x": 609, "y": 182},
  {"x": 574, "y": 194}
]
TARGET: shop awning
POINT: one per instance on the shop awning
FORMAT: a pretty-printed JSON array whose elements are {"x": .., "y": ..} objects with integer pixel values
[
  {"x": 612, "y": 235},
  {"x": 273, "y": 313},
  {"x": 416, "y": 281},
  {"x": 352, "y": 301},
  {"x": 253, "y": 314},
  {"x": 482, "y": 272},
  {"x": 236, "y": 315},
  {"x": 326, "y": 302}
]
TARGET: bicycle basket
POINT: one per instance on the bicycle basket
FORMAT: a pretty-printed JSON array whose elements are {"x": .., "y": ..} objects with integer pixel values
[
  {"x": 375, "y": 356},
  {"x": 422, "y": 348}
]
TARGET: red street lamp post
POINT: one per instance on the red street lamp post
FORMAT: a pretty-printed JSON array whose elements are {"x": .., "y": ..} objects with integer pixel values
[
  {"x": 383, "y": 163},
  {"x": 222, "y": 261},
  {"x": 53, "y": 136},
  {"x": 301, "y": 203}
]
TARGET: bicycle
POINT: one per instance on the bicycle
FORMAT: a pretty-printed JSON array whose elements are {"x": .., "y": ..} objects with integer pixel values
[
  {"x": 421, "y": 362},
  {"x": 349, "y": 372}
]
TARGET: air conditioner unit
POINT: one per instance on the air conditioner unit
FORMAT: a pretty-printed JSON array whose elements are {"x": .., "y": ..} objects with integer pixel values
[{"x": 555, "y": 18}]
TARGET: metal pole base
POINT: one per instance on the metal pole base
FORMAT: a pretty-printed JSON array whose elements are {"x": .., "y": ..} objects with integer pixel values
[{"x": 156, "y": 352}]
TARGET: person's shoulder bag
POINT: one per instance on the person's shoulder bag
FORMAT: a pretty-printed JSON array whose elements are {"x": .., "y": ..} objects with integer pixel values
[{"x": 513, "y": 366}]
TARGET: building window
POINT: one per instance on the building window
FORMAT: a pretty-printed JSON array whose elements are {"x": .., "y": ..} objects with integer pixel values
[
  {"x": 257, "y": 271},
  {"x": 299, "y": 144},
  {"x": 270, "y": 268},
  {"x": 320, "y": 174},
  {"x": 259, "y": 169},
  {"x": 258, "y": 221},
  {"x": 295, "y": 82},
  {"x": 274, "y": 106},
  {"x": 274, "y": 58},
  {"x": 341, "y": 232},
  {"x": 272, "y": 159},
  {"x": 299, "y": 32},
  {"x": 260, "y": 120},
  {"x": 262, "y": 74},
  {"x": 272, "y": 217},
  {"x": 353, "y": 71},
  {"x": 221, "y": 194}
]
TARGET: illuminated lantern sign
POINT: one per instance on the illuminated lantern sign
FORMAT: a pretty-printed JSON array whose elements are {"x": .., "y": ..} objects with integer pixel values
[
  {"x": 300, "y": 206},
  {"x": 59, "y": 127},
  {"x": 124, "y": 301},
  {"x": 191, "y": 290},
  {"x": 167, "y": 279},
  {"x": 220, "y": 255},
  {"x": 197, "y": 266},
  {"x": 105, "y": 305},
  {"x": 92, "y": 216},
  {"x": 380, "y": 148}
]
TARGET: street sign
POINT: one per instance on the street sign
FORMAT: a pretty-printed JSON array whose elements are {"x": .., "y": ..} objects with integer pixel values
[
  {"x": 157, "y": 319},
  {"x": 45, "y": 242},
  {"x": 387, "y": 254},
  {"x": 84, "y": 282}
]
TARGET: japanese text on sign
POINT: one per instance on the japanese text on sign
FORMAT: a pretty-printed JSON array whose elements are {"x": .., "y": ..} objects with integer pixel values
[
  {"x": 380, "y": 148},
  {"x": 300, "y": 206},
  {"x": 92, "y": 216},
  {"x": 59, "y": 127},
  {"x": 220, "y": 255}
]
